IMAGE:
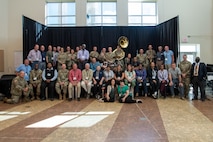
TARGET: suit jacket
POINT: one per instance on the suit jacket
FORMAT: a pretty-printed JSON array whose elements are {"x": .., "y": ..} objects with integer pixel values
[
  {"x": 149, "y": 73},
  {"x": 202, "y": 71}
]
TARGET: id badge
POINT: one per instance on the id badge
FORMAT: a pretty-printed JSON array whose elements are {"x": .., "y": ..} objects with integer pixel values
[
  {"x": 36, "y": 59},
  {"x": 129, "y": 78},
  {"x": 119, "y": 78},
  {"x": 96, "y": 77},
  {"x": 25, "y": 74},
  {"x": 35, "y": 78},
  {"x": 43, "y": 59},
  {"x": 74, "y": 78},
  {"x": 153, "y": 77},
  {"x": 48, "y": 74},
  {"x": 52, "y": 58},
  {"x": 87, "y": 78},
  {"x": 166, "y": 59}
]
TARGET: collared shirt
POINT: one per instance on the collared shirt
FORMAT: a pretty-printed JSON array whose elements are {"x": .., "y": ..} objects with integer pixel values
[
  {"x": 75, "y": 75},
  {"x": 175, "y": 72},
  {"x": 34, "y": 56},
  {"x": 93, "y": 66},
  {"x": 141, "y": 73},
  {"x": 52, "y": 79},
  {"x": 55, "y": 56},
  {"x": 163, "y": 75},
  {"x": 160, "y": 56},
  {"x": 108, "y": 74},
  {"x": 98, "y": 75},
  {"x": 43, "y": 56},
  {"x": 87, "y": 74},
  {"x": 83, "y": 54},
  {"x": 168, "y": 57},
  {"x": 26, "y": 70}
]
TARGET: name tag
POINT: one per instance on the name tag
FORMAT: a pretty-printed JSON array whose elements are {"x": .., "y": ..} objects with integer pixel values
[
  {"x": 48, "y": 74},
  {"x": 87, "y": 78},
  {"x": 96, "y": 77},
  {"x": 74, "y": 78},
  {"x": 43, "y": 59},
  {"x": 119, "y": 78},
  {"x": 36, "y": 59},
  {"x": 82, "y": 57},
  {"x": 129, "y": 84},
  {"x": 129, "y": 78},
  {"x": 25, "y": 74},
  {"x": 52, "y": 58},
  {"x": 166, "y": 59},
  {"x": 140, "y": 78},
  {"x": 159, "y": 59},
  {"x": 35, "y": 78},
  {"x": 140, "y": 84},
  {"x": 153, "y": 77}
]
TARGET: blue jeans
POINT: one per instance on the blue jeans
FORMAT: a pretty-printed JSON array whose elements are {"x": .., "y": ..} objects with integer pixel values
[
  {"x": 144, "y": 86},
  {"x": 42, "y": 65},
  {"x": 176, "y": 84},
  {"x": 33, "y": 64}
]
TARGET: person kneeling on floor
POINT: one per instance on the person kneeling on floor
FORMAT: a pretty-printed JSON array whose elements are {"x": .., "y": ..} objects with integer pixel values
[{"x": 19, "y": 87}]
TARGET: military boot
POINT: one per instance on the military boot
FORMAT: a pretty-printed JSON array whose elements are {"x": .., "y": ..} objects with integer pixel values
[
  {"x": 60, "y": 97},
  {"x": 64, "y": 97}
]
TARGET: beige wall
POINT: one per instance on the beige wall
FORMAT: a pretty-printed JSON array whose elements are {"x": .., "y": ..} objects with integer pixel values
[
  {"x": 11, "y": 27},
  {"x": 195, "y": 17},
  {"x": 195, "y": 20}
]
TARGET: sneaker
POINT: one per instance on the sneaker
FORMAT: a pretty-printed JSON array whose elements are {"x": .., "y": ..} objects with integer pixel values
[
  {"x": 101, "y": 100},
  {"x": 154, "y": 96},
  {"x": 145, "y": 95},
  {"x": 70, "y": 99},
  {"x": 138, "y": 101}
]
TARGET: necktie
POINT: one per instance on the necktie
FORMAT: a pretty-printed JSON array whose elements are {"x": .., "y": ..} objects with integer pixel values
[{"x": 196, "y": 70}]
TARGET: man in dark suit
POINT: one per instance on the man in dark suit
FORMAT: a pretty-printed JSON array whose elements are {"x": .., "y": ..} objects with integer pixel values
[{"x": 198, "y": 78}]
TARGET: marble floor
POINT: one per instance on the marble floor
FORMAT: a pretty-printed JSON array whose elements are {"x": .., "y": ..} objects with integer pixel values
[{"x": 160, "y": 120}]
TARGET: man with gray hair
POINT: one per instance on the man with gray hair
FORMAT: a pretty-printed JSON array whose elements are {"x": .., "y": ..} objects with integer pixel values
[{"x": 86, "y": 82}]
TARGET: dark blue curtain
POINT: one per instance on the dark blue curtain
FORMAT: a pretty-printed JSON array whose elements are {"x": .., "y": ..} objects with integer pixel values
[{"x": 102, "y": 36}]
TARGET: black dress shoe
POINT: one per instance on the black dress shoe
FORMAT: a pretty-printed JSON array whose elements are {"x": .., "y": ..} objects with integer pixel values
[
  {"x": 70, "y": 99},
  {"x": 42, "y": 99},
  {"x": 51, "y": 99},
  {"x": 203, "y": 100},
  {"x": 78, "y": 99},
  {"x": 195, "y": 98}
]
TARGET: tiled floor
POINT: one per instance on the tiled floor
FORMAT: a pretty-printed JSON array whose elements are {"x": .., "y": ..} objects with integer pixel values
[{"x": 159, "y": 120}]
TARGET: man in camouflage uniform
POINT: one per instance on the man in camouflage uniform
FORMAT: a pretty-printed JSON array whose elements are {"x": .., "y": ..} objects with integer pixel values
[
  {"x": 142, "y": 59},
  {"x": 62, "y": 58},
  {"x": 150, "y": 54},
  {"x": 19, "y": 87},
  {"x": 102, "y": 55},
  {"x": 35, "y": 82},
  {"x": 185, "y": 67},
  {"x": 94, "y": 53},
  {"x": 49, "y": 54},
  {"x": 71, "y": 59},
  {"x": 110, "y": 56},
  {"x": 62, "y": 82}
]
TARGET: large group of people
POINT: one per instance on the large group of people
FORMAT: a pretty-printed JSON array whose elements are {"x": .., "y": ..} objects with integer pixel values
[{"x": 74, "y": 73}]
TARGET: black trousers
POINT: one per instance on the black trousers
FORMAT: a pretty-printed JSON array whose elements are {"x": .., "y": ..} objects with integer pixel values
[
  {"x": 201, "y": 84},
  {"x": 51, "y": 89},
  {"x": 154, "y": 86},
  {"x": 127, "y": 100},
  {"x": 97, "y": 88}
]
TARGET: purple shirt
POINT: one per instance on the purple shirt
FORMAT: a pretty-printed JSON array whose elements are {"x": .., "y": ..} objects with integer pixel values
[
  {"x": 163, "y": 75},
  {"x": 83, "y": 54},
  {"x": 141, "y": 73},
  {"x": 34, "y": 56}
]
